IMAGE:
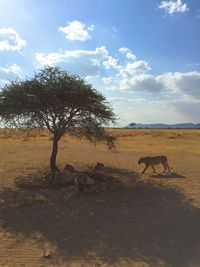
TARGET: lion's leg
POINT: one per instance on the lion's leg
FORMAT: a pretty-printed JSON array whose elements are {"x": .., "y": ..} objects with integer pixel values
[
  {"x": 167, "y": 165},
  {"x": 145, "y": 169},
  {"x": 154, "y": 170},
  {"x": 164, "y": 166}
]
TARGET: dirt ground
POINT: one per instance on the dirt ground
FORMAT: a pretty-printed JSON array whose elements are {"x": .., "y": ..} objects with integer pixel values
[{"x": 147, "y": 220}]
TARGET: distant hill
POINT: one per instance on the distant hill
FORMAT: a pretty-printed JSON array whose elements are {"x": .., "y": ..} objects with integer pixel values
[{"x": 165, "y": 126}]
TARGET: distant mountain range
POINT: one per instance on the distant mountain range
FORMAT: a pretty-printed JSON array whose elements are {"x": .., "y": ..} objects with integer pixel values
[{"x": 164, "y": 126}]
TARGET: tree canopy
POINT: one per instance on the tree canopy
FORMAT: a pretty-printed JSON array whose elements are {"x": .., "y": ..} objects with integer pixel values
[{"x": 62, "y": 103}]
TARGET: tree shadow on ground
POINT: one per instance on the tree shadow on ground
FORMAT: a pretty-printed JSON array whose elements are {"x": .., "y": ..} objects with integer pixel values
[
  {"x": 115, "y": 172},
  {"x": 168, "y": 175},
  {"x": 139, "y": 221}
]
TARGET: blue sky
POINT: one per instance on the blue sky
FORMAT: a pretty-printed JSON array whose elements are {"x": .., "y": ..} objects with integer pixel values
[{"x": 143, "y": 55}]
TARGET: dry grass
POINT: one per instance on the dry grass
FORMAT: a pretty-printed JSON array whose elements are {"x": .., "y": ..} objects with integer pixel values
[{"x": 151, "y": 220}]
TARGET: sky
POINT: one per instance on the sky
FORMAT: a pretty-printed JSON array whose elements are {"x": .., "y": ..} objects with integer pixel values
[{"x": 142, "y": 55}]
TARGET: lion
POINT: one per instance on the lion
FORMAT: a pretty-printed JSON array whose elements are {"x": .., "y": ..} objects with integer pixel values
[
  {"x": 152, "y": 161},
  {"x": 82, "y": 181}
]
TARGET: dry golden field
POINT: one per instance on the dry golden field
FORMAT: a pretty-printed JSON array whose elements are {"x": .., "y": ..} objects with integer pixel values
[{"x": 148, "y": 220}]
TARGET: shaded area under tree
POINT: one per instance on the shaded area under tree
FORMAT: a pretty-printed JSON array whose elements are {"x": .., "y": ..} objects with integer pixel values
[{"x": 140, "y": 220}]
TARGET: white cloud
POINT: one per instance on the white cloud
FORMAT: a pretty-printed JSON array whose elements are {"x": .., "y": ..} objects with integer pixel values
[
  {"x": 111, "y": 62},
  {"x": 14, "y": 68},
  {"x": 91, "y": 28},
  {"x": 129, "y": 54},
  {"x": 133, "y": 68},
  {"x": 82, "y": 62},
  {"x": 167, "y": 85},
  {"x": 132, "y": 76},
  {"x": 145, "y": 110},
  {"x": 10, "y": 40},
  {"x": 110, "y": 83},
  {"x": 184, "y": 84},
  {"x": 107, "y": 80},
  {"x": 94, "y": 56},
  {"x": 172, "y": 7},
  {"x": 92, "y": 78},
  {"x": 77, "y": 31},
  {"x": 187, "y": 83},
  {"x": 141, "y": 83},
  {"x": 124, "y": 50}
]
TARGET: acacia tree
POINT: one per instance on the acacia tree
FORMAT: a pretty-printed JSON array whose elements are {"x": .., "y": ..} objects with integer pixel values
[{"x": 60, "y": 102}]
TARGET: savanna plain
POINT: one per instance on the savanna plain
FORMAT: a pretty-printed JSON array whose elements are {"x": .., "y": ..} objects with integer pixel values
[{"x": 146, "y": 220}]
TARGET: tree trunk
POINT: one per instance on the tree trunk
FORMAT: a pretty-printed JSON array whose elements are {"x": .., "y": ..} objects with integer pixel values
[{"x": 54, "y": 152}]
